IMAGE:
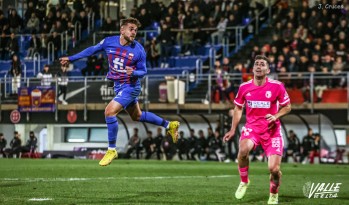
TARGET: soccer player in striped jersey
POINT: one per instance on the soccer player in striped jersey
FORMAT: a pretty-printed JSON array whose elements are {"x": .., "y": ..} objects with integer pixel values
[
  {"x": 265, "y": 100},
  {"x": 127, "y": 65}
]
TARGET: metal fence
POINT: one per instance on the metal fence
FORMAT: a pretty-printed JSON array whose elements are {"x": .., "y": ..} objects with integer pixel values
[{"x": 99, "y": 90}]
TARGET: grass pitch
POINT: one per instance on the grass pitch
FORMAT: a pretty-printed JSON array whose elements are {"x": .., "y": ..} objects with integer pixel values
[{"x": 55, "y": 181}]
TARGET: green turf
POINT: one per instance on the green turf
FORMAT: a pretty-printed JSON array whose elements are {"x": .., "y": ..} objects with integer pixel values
[{"x": 157, "y": 182}]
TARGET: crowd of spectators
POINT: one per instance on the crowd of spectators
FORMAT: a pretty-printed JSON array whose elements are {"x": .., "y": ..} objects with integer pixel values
[
  {"x": 43, "y": 21},
  {"x": 189, "y": 25},
  {"x": 307, "y": 40}
]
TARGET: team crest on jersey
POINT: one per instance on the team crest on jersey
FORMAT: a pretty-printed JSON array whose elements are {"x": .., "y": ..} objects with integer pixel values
[
  {"x": 268, "y": 94},
  {"x": 130, "y": 56}
]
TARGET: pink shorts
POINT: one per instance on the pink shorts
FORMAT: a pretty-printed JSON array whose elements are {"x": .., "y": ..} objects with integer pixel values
[{"x": 271, "y": 141}]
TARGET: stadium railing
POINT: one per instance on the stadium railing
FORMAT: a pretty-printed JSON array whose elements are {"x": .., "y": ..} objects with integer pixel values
[{"x": 193, "y": 87}]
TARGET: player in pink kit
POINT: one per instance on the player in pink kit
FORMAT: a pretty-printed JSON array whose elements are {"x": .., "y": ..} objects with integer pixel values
[{"x": 266, "y": 100}]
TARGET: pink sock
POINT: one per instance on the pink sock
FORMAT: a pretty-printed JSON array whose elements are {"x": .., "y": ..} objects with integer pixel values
[
  {"x": 274, "y": 186},
  {"x": 243, "y": 174}
]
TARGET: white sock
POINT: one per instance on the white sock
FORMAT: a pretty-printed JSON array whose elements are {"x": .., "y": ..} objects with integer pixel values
[{"x": 111, "y": 148}]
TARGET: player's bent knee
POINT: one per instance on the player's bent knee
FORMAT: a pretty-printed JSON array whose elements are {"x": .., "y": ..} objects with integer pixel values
[
  {"x": 243, "y": 153},
  {"x": 274, "y": 170}
]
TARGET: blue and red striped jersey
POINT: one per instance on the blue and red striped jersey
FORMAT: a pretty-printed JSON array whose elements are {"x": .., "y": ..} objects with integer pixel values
[{"x": 119, "y": 57}]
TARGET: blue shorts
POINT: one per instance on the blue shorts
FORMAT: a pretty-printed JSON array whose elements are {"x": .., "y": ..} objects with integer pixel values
[{"x": 127, "y": 94}]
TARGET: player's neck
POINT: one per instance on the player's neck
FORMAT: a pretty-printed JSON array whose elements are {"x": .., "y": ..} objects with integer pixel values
[
  {"x": 259, "y": 81},
  {"x": 124, "y": 42}
]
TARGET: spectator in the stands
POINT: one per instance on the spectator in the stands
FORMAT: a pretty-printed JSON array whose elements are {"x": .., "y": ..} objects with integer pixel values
[
  {"x": 144, "y": 18},
  {"x": 217, "y": 83},
  {"x": 155, "y": 53},
  {"x": 62, "y": 78},
  {"x": 166, "y": 42},
  {"x": 278, "y": 30},
  {"x": 59, "y": 29},
  {"x": 293, "y": 65},
  {"x": 281, "y": 62},
  {"x": 15, "y": 72},
  {"x": 90, "y": 66},
  {"x": 12, "y": 45},
  {"x": 43, "y": 43},
  {"x": 56, "y": 40},
  {"x": 272, "y": 64},
  {"x": 33, "y": 24},
  {"x": 109, "y": 25},
  {"x": 337, "y": 71},
  {"x": 78, "y": 5},
  {"x": 303, "y": 64},
  {"x": 3, "y": 46},
  {"x": 34, "y": 46},
  {"x": 99, "y": 68},
  {"x": 342, "y": 27},
  {"x": 15, "y": 21},
  {"x": 201, "y": 36},
  {"x": 342, "y": 38},
  {"x": 226, "y": 65},
  {"x": 29, "y": 11},
  {"x": 46, "y": 76},
  {"x": 3, "y": 20},
  {"x": 221, "y": 27}
]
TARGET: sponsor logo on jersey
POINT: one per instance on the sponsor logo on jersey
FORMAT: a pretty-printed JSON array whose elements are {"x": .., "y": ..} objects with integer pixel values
[{"x": 258, "y": 104}]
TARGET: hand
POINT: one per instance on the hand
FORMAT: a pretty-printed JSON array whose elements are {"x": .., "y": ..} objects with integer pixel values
[
  {"x": 271, "y": 119},
  {"x": 129, "y": 70},
  {"x": 64, "y": 60},
  {"x": 228, "y": 135}
]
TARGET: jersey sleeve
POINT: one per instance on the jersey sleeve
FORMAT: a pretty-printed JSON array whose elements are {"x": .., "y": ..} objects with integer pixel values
[
  {"x": 88, "y": 51},
  {"x": 240, "y": 98},
  {"x": 141, "y": 68},
  {"x": 283, "y": 97}
]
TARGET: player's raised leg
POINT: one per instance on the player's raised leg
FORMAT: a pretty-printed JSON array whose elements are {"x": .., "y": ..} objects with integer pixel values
[
  {"x": 245, "y": 146},
  {"x": 112, "y": 109},
  {"x": 137, "y": 115},
  {"x": 274, "y": 163}
]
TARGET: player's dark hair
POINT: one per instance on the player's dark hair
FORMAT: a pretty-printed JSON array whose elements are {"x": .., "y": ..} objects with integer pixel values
[
  {"x": 130, "y": 20},
  {"x": 261, "y": 57}
]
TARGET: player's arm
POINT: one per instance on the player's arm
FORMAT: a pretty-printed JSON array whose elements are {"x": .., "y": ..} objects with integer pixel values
[
  {"x": 83, "y": 54},
  {"x": 141, "y": 69},
  {"x": 285, "y": 107},
  {"x": 239, "y": 104},
  {"x": 234, "y": 123}
]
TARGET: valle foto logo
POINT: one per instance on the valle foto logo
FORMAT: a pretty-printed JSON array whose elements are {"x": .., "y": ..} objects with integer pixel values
[{"x": 321, "y": 190}]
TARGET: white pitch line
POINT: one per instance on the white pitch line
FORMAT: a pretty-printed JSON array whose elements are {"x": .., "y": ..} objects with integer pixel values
[
  {"x": 111, "y": 178},
  {"x": 40, "y": 199}
]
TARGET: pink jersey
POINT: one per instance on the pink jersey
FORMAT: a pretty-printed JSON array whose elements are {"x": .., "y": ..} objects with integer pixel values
[{"x": 260, "y": 101}]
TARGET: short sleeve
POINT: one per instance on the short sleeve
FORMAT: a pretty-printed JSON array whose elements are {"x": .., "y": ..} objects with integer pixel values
[
  {"x": 283, "y": 97},
  {"x": 239, "y": 98}
]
